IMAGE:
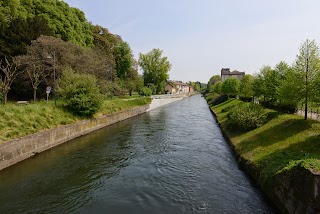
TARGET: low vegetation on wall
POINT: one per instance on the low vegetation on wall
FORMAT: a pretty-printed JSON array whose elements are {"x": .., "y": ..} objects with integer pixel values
[{"x": 21, "y": 120}]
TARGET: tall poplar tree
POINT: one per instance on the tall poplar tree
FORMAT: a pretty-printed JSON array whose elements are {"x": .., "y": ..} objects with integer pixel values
[{"x": 307, "y": 65}]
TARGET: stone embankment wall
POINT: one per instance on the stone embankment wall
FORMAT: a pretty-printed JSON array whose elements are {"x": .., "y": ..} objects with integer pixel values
[{"x": 22, "y": 148}]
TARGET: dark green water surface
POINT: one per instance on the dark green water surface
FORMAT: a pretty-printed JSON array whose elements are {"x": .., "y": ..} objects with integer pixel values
[{"x": 170, "y": 160}]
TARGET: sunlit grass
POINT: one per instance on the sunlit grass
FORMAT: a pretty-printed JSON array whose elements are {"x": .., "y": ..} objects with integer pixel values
[
  {"x": 21, "y": 120},
  {"x": 283, "y": 142}
]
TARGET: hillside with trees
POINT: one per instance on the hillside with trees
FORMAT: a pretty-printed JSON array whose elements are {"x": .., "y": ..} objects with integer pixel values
[{"x": 42, "y": 40}]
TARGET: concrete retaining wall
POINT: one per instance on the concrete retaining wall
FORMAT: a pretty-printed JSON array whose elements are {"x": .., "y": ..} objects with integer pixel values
[
  {"x": 160, "y": 102},
  {"x": 22, "y": 148}
]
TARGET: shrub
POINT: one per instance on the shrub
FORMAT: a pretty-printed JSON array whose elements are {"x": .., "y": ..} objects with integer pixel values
[
  {"x": 246, "y": 116},
  {"x": 219, "y": 100},
  {"x": 80, "y": 92},
  {"x": 145, "y": 91},
  {"x": 119, "y": 91}
]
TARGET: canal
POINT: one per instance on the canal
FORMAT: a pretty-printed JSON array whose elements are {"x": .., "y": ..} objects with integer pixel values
[{"x": 170, "y": 160}]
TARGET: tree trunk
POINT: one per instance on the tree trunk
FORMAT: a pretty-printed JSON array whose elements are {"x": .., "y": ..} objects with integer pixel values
[
  {"x": 130, "y": 93},
  {"x": 34, "y": 95},
  {"x": 5, "y": 94}
]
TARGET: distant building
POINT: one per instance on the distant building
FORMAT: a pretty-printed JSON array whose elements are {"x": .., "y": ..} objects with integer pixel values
[
  {"x": 225, "y": 74},
  {"x": 178, "y": 88}
]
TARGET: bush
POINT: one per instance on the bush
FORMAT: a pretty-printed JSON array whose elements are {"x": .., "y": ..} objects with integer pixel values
[
  {"x": 119, "y": 91},
  {"x": 219, "y": 100},
  {"x": 285, "y": 108},
  {"x": 246, "y": 116},
  {"x": 145, "y": 91},
  {"x": 80, "y": 92}
]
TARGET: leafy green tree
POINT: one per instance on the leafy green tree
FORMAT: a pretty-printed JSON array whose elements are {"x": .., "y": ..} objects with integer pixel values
[
  {"x": 123, "y": 58},
  {"x": 104, "y": 43},
  {"x": 213, "y": 80},
  {"x": 66, "y": 22},
  {"x": 218, "y": 87},
  {"x": 80, "y": 92},
  {"x": 307, "y": 65},
  {"x": 259, "y": 88},
  {"x": 290, "y": 91},
  {"x": 20, "y": 32},
  {"x": 231, "y": 86},
  {"x": 155, "y": 69},
  {"x": 246, "y": 86},
  {"x": 271, "y": 82},
  {"x": 281, "y": 69}
]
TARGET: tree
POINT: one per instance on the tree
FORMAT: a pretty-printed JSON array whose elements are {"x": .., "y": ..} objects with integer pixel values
[
  {"x": 290, "y": 91},
  {"x": 246, "y": 86},
  {"x": 258, "y": 86},
  {"x": 19, "y": 33},
  {"x": 308, "y": 64},
  {"x": 10, "y": 73},
  {"x": 123, "y": 59},
  {"x": 271, "y": 82},
  {"x": 155, "y": 69},
  {"x": 36, "y": 69},
  {"x": 218, "y": 87},
  {"x": 213, "y": 80},
  {"x": 80, "y": 92},
  {"x": 231, "y": 86}
]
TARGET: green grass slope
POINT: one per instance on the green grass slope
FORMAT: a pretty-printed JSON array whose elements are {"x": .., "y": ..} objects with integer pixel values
[
  {"x": 21, "y": 120},
  {"x": 283, "y": 142}
]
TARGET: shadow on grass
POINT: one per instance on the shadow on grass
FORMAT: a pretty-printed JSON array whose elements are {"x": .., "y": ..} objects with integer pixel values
[
  {"x": 275, "y": 134},
  {"x": 222, "y": 104},
  {"x": 302, "y": 153},
  {"x": 272, "y": 115}
]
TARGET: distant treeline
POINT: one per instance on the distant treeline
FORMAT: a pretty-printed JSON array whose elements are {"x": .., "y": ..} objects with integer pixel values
[{"x": 284, "y": 87}]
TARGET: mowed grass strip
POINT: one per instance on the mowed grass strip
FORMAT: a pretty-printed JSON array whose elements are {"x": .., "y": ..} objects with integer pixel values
[
  {"x": 21, "y": 120},
  {"x": 283, "y": 142}
]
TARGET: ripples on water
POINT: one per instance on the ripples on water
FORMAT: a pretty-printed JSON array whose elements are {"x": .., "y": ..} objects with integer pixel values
[{"x": 170, "y": 160}]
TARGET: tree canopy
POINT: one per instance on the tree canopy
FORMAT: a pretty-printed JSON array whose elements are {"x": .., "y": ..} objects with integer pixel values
[{"x": 155, "y": 69}]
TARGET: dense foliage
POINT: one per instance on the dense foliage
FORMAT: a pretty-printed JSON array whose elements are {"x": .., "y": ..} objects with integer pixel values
[
  {"x": 231, "y": 86},
  {"x": 80, "y": 92},
  {"x": 53, "y": 16},
  {"x": 155, "y": 69},
  {"x": 246, "y": 116},
  {"x": 146, "y": 91},
  {"x": 43, "y": 37}
]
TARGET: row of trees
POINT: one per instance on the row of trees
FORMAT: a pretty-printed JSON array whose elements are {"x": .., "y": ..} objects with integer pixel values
[
  {"x": 284, "y": 85},
  {"x": 39, "y": 36}
]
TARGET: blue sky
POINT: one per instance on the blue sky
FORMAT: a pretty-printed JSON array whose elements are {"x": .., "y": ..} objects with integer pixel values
[{"x": 200, "y": 37}]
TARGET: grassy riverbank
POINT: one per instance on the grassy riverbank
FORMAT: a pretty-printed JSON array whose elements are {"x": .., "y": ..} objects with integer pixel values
[
  {"x": 283, "y": 142},
  {"x": 21, "y": 120}
]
